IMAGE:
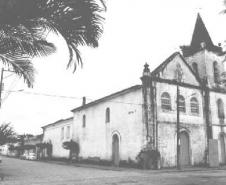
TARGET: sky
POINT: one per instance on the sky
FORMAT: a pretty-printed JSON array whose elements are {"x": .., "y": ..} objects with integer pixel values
[{"x": 135, "y": 32}]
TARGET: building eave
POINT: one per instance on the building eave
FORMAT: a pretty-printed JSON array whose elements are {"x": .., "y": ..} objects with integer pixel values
[
  {"x": 57, "y": 122},
  {"x": 124, "y": 91}
]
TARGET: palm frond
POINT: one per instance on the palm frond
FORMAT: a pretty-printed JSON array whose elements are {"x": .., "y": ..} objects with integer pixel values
[
  {"x": 22, "y": 38},
  {"x": 23, "y": 68},
  {"x": 78, "y": 21},
  {"x": 73, "y": 50},
  {"x": 24, "y": 24}
]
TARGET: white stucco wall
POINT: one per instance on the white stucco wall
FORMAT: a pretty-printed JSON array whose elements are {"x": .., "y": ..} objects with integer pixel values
[
  {"x": 125, "y": 120},
  {"x": 192, "y": 123},
  {"x": 52, "y": 134}
]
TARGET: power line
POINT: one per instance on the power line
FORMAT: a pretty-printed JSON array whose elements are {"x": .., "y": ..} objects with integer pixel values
[
  {"x": 43, "y": 94},
  {"x": 74, "y": 97},
  {"x": 12, "y": 85},
  {"x": 69, "y": 97},
  {"x": 7, "y": 76}
]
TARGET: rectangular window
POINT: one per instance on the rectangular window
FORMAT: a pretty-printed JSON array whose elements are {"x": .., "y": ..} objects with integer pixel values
[
  {"x": 62, "y": 133},
  {"x": 68, "y": 132}
]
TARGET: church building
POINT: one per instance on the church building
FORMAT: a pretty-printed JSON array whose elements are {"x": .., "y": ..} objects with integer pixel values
[{"x": 178, "y": 104}]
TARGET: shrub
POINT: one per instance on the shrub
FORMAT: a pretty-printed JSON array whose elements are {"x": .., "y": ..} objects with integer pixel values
[
  {"x": 73, "y": 147},
  {"x": 148, "y": 158}
]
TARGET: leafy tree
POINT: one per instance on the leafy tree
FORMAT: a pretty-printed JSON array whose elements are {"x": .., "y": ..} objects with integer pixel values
[
  {"x": 7, "y": 133},
  {"x": 25, "y": 24}
]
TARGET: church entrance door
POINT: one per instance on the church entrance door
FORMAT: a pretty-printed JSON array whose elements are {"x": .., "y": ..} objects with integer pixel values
[
  {"x": 115, "y": 150},
  {"x": 184, "y": 149}
]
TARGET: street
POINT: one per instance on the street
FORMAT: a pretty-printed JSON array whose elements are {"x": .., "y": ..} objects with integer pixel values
[{"x": 22, "y": 172}]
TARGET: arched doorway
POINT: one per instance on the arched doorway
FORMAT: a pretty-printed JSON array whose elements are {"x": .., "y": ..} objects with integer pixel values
[
  {"x": 184, "y": 149},
  {"x": 115, "y": 150},
  {"x": 222, "y": 147}
]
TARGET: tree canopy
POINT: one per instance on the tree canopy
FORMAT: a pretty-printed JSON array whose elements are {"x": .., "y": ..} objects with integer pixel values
[
  {"x": 25, "y": 24},
  {"x": 7, "y": 133}
]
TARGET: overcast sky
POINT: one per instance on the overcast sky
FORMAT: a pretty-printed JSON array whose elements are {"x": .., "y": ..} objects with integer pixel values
[{"x": 135, "y": 32}]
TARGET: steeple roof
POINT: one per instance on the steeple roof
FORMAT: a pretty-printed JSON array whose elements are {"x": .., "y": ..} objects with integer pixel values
[
  {"x": 200, "y": 34},
  {"x": 200, "y": 40}
]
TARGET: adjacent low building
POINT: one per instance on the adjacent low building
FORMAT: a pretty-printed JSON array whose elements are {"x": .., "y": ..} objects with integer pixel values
[{"x": 55, "y": 134}]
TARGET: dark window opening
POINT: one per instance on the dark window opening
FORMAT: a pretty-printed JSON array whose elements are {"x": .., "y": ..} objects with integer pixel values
[
  {"x": 216, "y": 72},
  {"x": 220, "y": 109},
  {"x": 107, "y": 115},
  {"x": 195, "y": 68},
  {"x": 194, "y": 105},
  {"x": 165, "y": 101},
  {"x": 84, "y": 121},
  {"x": 182, "y": 107}
]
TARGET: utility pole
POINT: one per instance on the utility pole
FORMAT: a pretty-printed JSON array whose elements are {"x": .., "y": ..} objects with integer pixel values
[
  {"x": 178, "y": 77},
  {"x": 1, "y": 86},
  {"x": 178, "y": 129}
]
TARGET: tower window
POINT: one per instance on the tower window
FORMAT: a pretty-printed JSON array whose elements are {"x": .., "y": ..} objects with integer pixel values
[
  {"x": 216, "y": 72},
  {"x": 195, "y": 68},
  {"x": 165, "y": 101}
]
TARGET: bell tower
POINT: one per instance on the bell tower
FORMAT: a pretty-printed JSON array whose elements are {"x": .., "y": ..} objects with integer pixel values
[{"x": 205, "y": 58}]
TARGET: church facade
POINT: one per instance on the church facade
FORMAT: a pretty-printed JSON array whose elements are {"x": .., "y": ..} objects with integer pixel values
[{"x": 179, "y": 104}]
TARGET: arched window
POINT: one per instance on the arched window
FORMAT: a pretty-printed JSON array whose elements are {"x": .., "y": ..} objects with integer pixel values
[
  {"x": 220, "y": 109},
  {"x": 182, "y": 107},
  {"x": 194, "y": 105},
  {"x": 165, "y": 101},
  {"x": 215, "y": 72},
  {"x": 107, "y": 115},
  {"x": 84, "y": 121},
  {"x": 195, "y": 68}
]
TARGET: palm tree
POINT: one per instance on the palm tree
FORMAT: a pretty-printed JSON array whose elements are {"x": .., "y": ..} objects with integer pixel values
[{"x": 25, "y": 24}]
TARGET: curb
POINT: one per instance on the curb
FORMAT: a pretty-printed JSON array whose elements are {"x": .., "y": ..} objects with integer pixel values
[{"x": 173, "y": 170}]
